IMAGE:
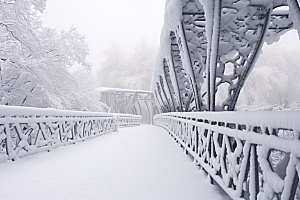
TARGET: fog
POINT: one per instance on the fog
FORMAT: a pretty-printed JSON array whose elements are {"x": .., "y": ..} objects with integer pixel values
[
  {"x": 104, "y": 23},
  {"x": 128, "y": 33}
]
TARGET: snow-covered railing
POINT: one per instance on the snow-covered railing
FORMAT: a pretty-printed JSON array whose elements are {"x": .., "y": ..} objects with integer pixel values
[
  {"x": 251, "y": 155},
  {"x": 125, "y": 120},
  {"x": 26, "y": 131}
]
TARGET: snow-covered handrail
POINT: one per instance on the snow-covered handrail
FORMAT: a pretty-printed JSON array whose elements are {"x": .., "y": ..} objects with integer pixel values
[
  {"x": 251, "y": 155},
  {"x": 126, "y": 120},
  {"x": 25, "y": 131}
]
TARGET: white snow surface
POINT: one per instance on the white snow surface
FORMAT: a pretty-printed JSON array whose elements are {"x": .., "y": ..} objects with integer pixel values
[
  {"x": 107, "y": 89},
  {"x": 135, "y": 163},
  {"x": 173, "y": 13}
]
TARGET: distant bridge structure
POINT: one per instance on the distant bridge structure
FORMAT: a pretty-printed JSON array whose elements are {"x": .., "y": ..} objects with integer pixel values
[
  {"x": 209, "y": 47},
  {"x": 126, "y": 101}
]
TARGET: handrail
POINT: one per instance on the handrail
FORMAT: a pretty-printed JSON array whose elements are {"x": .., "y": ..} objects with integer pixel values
[
  {"x": 26, "y": 131},
  {"x": 127, "y": 120},
  {"x": 251, "y": 155}
]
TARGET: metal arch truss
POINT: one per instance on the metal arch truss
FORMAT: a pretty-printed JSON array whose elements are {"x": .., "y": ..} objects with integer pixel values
[
  {"x": 210, "y": 59},
  {"x": 126, "y": 101}
]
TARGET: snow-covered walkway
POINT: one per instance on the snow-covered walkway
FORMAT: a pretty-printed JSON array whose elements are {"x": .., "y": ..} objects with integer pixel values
[{"x": 136, "y": 163}]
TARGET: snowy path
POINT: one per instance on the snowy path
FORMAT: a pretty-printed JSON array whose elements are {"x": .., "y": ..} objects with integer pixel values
[{"x": 135, "y": 163}]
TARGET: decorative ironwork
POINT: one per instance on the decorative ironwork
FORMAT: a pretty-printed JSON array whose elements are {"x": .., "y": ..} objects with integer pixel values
[
  {"x": 182, "y": 83},
  {"x": 26, "y": 131},
  {"x": 214, "y": 47},
  {"x": 251, "y": 155}
]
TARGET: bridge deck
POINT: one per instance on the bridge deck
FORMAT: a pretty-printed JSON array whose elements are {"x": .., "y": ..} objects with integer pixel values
[{"x": 134, "y": 163}]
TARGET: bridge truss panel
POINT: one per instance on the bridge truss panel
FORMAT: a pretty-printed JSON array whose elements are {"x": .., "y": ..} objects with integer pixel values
[
  {"x": 212, "y": 48},
  {"x": 135, "y": 102}
]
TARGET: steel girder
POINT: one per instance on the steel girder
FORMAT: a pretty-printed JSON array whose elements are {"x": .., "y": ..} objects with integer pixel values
[
  {"x": 214, "y": 48},
  {"x": 130, "y": 102}
]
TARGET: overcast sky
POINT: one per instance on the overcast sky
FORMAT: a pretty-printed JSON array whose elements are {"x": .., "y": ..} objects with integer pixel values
[
  {"x": 121, "y": 22},
  {"x": 103, "y": 22}
]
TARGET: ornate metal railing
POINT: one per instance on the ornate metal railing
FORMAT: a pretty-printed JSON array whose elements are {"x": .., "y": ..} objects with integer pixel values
[
  {"x": 125, "y": 120},
  {"x": 26, "y": 131},
  {"x": 251, "y": 155}
]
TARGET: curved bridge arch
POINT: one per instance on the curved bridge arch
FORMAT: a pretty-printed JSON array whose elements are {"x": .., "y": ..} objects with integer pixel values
[{"x": 209, "y": 49}]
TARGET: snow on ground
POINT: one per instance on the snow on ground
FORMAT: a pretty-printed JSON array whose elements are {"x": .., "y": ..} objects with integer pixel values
[{"x": 136, "y": 163}]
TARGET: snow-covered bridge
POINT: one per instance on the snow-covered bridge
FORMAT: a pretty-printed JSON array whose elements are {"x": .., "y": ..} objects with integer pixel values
[
  {"x": 133, "y": 163},
  {"x": 247, "y": 154},
  {"x": 208, "y": 49}
]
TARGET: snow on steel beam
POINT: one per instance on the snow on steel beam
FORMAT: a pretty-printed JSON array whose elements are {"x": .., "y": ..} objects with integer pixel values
[
  {"x": 180, "y": 79},
  {"x": 219, "y": 42},
  {"x": 164, "y": 93},
  {"x": 159, "y": 100},
  {"x": 164, "y": 99},
  {"x": 240, "y": 41},
  {"x": 174, "y": 13},
  {"x": 174, "y": 74},
  {"x": 191, "y": 32},
  {"x": 280, "y": 23},
  {"x": 294, "y": 6},
  {"x": 170, "y": 86}
]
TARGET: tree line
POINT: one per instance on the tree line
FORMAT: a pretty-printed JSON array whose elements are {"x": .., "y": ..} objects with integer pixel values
[
  {"x": 273, "y": 82},
  {"x": 35, "y": 60}
]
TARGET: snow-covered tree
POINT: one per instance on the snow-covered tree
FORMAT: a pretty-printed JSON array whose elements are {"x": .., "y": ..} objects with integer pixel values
[
  {"x": 19, "y": 24},
  {"x": 65, "y": 48},
  {"x": 19, "y": 45},
  {"x": 143, "y": 59},
  {"x": 275, "y": 77},
  {"x": 35, "y": 60},
  {"x": 129, "y": 71},
  {"x": 88, "y": 83}
]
